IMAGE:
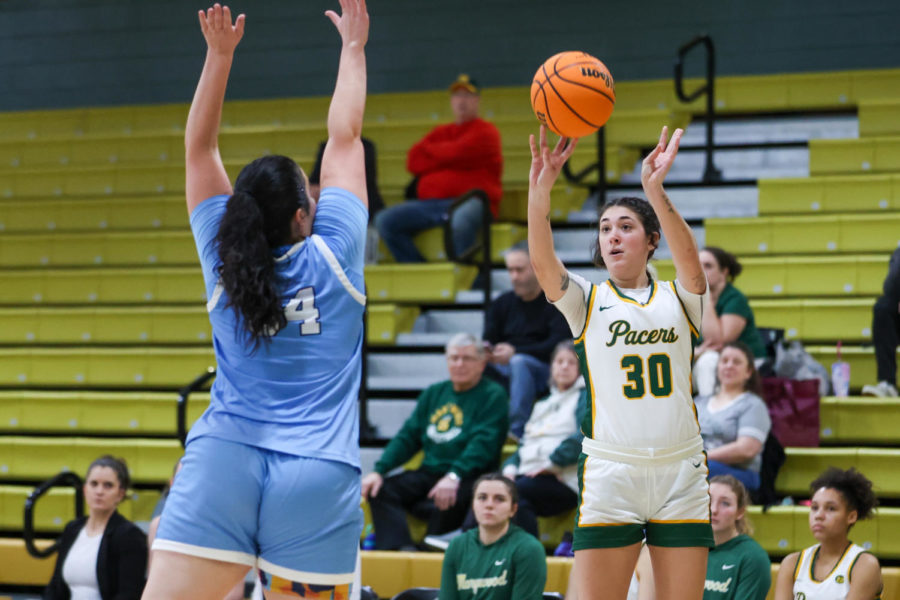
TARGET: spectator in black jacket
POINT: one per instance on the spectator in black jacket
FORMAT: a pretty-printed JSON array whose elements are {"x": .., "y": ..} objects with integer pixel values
[
  {"x": 102, "y": 555},
  {"x": 522, "y": 329}
]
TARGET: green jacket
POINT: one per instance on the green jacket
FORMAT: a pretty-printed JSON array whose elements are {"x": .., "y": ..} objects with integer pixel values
[
  {"x": 512, "y": 568},
  {"x": 739, "y": 569},
  {"x": 460, "y": 432}
]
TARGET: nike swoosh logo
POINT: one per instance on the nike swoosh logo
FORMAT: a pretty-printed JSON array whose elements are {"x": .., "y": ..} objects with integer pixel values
[
  {"x": 500, "y": 562},
  {"x": 602, "y": 308},
  {"x": 697, "y": 466},
  {"x": 726, "y": 567}
]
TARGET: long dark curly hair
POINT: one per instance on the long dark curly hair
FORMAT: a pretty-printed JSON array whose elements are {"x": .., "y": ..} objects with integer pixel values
[{"x": 258, "y": 216}]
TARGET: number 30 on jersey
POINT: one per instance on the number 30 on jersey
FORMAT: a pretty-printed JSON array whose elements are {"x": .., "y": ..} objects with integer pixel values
[{"x": 303, "y": 308}]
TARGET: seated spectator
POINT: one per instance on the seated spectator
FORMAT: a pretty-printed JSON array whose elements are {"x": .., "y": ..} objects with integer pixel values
[
  {"x": 544, "y": 465},
  {"x": 496, "y": 560},
  {"x": 376, "y": 203},
  {"x": 732, "y": 320},
  {"x": 750, "y": 573},
  {"x": 102, "y": 555},
  {"x": 449, "y": 161},
  {"x": 734, "y": 421},
  {"x": 523, "y": 329},
  {"x": 835, "y": 567},
  {"x": 886, "y": 333},
  {"x": 460, "y": 425}
]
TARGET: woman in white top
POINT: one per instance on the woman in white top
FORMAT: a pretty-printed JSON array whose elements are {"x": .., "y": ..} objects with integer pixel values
[
  {"x": 734, "y": 421},
  {"x": 102, "y": 556},
  {"x": 544, "y": 464},
  {"x": 835, "y": 568},
  {"x": 642, "y": 471}
]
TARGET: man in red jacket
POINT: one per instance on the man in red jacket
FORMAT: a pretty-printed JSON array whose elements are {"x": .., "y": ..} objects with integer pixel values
[{"x": 448, "y": 162}]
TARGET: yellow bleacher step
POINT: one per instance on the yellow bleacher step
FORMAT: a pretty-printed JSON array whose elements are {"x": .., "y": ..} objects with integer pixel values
[
  {"x": 103, "y": 367},
  {"x": 57, "y": 507},
  {"x": 123, "y": 413},
  {"x": 93, "y": 214},
  {"x": 151, "y": 325},
  {"x": 848, "y": 320},
  {"x": 387, "y": 320},
  {"x": 829, "y": 194},
  {"x": 847, "y": 275},
  {"x": 803, "y": 465},
  {"x": 39, "y": 458},
  {"x": 785, "y": 529},
  {"x": 431, "y": 243},
  {"x": 103, "y": 286},
  {"x": 170, "y": 248},
  {"x": 433, "y": 282},
  {"x": 861, "y": 359},
  {"x": 864, "y": 155},
  {"x": 832, "y": 234},
  {"x": 879, "y": 117},
  {"x": 861, "y": 420},
  {"x": 438, "y": 282}
]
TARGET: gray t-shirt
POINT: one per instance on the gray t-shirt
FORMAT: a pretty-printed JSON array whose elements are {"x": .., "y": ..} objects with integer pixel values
[{"x": 747, "y": 415}]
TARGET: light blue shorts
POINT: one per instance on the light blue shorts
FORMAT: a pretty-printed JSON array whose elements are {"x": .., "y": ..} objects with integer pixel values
[{"x": 295, "y": 518}]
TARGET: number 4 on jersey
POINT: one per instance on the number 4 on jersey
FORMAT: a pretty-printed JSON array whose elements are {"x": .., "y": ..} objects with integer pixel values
[{"x": 303, "y": 308}]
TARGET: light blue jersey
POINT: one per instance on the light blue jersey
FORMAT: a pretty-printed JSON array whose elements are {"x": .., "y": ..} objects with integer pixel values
[{"x": 298, "y": 394}]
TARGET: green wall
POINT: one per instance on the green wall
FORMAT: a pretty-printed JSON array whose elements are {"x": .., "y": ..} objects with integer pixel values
[{"x": 56, "y": 53}]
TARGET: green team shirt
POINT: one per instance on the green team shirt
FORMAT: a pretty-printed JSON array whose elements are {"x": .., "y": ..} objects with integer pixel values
[
  {"x": 461, "y": 432},
  {"x": 512, "y": 568},
  {"x": 739, "y": 569},
  {"x": 733, "y": 302}
]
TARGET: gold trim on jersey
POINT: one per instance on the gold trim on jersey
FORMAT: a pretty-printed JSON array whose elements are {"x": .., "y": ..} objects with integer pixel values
[
  {"x": 799, "y": 563},
  {"x": 684, "y": 310},
  {"x": 587, "y": 319},
  {"x": 624, "y": 298},
  {"x": 673, "y": 521},
  {"x": 812, "y": 563},
  {"x": 587, "y": 365}
]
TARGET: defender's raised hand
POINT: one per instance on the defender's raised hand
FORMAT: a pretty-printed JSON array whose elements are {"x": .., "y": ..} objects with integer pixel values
[
  {"x": 221, "y": 35},
  {"x": 352, "y": 23}
]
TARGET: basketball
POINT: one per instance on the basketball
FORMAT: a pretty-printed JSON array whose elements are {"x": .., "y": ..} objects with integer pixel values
[{"x": 573, "y": 94}]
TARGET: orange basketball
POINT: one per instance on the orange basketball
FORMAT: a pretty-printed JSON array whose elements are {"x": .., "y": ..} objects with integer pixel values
[{"x": 573, "y": 94}]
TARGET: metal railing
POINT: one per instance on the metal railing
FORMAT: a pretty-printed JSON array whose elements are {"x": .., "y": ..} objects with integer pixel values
[
  {"x": 710, "y": 173},
  {"x": 184, "y": 395},
  {"x": 66, "y": 478}
]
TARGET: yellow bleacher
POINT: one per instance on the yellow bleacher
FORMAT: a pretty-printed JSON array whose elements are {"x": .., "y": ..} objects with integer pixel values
[{"x": 101, "y": 189}]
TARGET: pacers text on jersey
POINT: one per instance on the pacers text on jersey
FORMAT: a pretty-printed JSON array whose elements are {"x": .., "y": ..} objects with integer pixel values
[{"x": 622, "y": 329}]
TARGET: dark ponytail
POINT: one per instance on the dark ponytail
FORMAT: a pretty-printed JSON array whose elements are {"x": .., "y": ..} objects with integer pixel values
[{"x": 257, "y": 219}]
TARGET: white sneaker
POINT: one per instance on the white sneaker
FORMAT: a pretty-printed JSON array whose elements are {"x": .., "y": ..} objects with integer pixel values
[
  {"x": 883, "y": 389},
  {"x": 442, "y": 542}
]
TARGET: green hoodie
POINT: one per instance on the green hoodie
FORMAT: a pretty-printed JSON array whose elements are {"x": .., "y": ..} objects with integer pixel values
[
  {"x": 461, "y": 432},
  {"x": 512, "y": 568},
  {"x": 739, "y": 569}
]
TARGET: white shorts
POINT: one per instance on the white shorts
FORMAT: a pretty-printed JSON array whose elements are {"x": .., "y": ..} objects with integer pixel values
[{"x": 663, "y": 497}]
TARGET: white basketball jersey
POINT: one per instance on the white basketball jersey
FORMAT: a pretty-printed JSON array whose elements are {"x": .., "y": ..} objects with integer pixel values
[
  {"x": 836, "y": 584},
  {"x": 636, "y": 358}
]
